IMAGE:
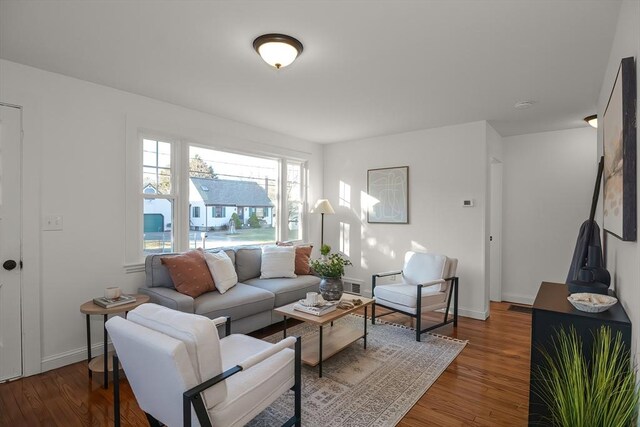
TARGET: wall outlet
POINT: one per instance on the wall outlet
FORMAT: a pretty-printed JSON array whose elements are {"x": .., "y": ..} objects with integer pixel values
[
  {"x": 52, "y": 223},
  {"x": 467, "y": 203}
]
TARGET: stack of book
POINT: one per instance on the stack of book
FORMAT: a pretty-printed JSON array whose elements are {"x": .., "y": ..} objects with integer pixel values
[
  {"x": 317, "y": 310},
  {"x": 114, "y": 302}
]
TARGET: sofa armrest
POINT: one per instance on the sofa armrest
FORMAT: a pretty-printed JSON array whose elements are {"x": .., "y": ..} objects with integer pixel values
[{"x": 169, "y": 298}]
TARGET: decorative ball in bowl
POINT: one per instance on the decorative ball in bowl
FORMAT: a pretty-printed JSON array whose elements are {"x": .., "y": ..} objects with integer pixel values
[{"x": 592, "y": 303}]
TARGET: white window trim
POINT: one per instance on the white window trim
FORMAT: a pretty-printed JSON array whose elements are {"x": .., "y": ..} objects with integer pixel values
[{"x": 182, "y": 138}]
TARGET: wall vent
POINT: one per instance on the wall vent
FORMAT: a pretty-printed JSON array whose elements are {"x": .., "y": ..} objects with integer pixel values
[{"x": 352, "y": 286}]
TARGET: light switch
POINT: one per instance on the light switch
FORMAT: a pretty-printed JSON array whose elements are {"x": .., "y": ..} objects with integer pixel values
[{"x": 52, "y": 223}]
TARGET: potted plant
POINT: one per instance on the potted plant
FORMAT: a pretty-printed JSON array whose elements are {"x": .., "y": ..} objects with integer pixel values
[
  {"x": 331, "y": 270},
  {"x": 588, "y": 390}
]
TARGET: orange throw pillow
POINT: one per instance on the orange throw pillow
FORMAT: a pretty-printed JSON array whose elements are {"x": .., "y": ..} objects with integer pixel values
[
  {"x": 303, "y": 256},
  {"x": 189, "y": 273}
]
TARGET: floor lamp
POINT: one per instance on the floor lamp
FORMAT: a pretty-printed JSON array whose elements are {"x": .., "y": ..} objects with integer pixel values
[{"x": 322, "y": 207}]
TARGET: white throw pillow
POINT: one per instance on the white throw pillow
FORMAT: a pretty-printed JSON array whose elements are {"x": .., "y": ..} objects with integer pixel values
[
  {"x": 222, "y": 270},
  {"x": 278, "y": 261}
]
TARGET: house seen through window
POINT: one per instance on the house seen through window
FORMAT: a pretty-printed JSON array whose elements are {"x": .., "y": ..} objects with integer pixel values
[
  {"x": 240, "y": 194},
  {"x": 230, "y": 199}
]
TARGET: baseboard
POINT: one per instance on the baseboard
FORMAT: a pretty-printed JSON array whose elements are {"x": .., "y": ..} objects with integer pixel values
[
  {"x": 473, "y": 314},
  {"x": 518, "y": 298},
  {"x": 72, "y": 356}
]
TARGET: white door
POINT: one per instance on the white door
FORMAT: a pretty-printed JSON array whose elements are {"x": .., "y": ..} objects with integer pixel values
[
  {"x": 10, "y": 243},
  {"x": 495, "y": 227}
]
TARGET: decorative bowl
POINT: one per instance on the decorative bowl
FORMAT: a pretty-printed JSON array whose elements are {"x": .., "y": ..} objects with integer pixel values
[{"x": 592, "y": 303}]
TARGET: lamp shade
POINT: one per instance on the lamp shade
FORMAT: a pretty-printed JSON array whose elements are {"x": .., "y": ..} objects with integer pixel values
[
  {"x": 277, "y": 50},
  {"x": 323, "y": 207}
]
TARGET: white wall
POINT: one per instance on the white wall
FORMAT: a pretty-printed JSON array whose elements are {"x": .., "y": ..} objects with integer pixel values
[
  {"x": 74, "y": 143},
  {"x": 446, "y": 166},
  {"x": 623, "y": 258},
  {"x": 548, "y": 186}
]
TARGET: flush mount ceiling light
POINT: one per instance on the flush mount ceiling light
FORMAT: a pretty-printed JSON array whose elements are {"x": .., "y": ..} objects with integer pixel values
[
  {"x": 592, "y": 120},
  {"x": 523, "y": 105},
  {"x": 277, "y": 50}
]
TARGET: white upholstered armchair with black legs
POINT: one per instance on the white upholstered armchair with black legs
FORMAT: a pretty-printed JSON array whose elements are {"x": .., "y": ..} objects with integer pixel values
[
  {"x": 428, "y": 283},
  {"x": 181, "y": 373}
]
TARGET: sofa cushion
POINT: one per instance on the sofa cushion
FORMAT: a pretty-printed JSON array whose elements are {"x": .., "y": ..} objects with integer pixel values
[
  {"x": 238, "y": 302},
  {"x": 222, "y": 270},
  {"x": 189, "y": 273},
  {"x": 406, "y": 295},
  {"x": 248, "y": 262},
  {"x": 288, "y": 290},
  {"x": 157, "y": 275},
  {"x": 278, "y": 261},
  {"x": 303, "y": 256}
]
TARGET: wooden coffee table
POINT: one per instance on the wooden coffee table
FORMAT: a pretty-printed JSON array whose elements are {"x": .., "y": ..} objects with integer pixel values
[{"x": 329, "y": 341}]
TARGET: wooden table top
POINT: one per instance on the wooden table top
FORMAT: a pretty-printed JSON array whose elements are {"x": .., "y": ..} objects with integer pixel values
[
  {"x": 90, "y": 307},
  {"x": 287, "y": 310}
]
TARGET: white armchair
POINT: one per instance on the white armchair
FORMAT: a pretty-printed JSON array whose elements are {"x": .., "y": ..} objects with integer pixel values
[
  {"x": 428, "y": 282},
  {"x": 181, "y": 373}
]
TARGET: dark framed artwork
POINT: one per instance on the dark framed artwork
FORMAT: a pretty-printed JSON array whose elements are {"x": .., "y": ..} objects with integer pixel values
[
  {"x": 619, "y": 145},
  {"x": 388, "y": 189}
]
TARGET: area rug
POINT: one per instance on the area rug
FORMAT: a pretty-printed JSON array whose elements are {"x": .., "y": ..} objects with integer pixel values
[{"x": 372, "y": 387}]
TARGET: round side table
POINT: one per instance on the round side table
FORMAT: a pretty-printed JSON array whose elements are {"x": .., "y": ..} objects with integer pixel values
[{"x": 89, "y": 308}]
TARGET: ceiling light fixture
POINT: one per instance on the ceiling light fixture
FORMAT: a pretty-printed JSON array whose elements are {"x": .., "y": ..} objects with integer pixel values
[
  {"x": 523, "y": 105},
  {"x": 592, "y": 120},
  {"x": 277, "y": 50}
]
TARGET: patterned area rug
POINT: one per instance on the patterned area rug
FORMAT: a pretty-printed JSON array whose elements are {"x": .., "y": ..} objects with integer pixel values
[{"x": 372, "y": 387}]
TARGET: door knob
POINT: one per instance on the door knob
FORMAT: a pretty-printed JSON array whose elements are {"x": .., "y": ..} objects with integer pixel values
[{"x": 9, "y": 264}]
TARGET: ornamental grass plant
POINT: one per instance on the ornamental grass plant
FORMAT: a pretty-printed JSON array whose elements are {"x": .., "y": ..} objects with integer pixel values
[{"x": 597, "y": 390}]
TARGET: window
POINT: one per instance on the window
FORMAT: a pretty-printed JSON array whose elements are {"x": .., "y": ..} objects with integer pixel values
[
  {"x": 294, "y": 200},
  {"x": 157, "y": 197},
  {"x": 194, "y": 196},
  {"x": 218, "y": 212},
  {"x": 220, "y": 180}
]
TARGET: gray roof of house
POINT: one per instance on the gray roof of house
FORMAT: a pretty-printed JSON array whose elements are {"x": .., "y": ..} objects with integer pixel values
[{"x": 227, "y": 192}]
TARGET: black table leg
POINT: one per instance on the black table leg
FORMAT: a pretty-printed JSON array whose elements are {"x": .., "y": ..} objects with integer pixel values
[
  {"x": 284, "y": 328},
  {"x": 365, "y": 328},
  {"x": 89, "y": 345},
  {"x": 320, "y": 354},
  {"x": 106, "y": 354}
]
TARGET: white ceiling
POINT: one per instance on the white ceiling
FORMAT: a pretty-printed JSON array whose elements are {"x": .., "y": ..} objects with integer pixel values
[{"x": 368, "y": 67}]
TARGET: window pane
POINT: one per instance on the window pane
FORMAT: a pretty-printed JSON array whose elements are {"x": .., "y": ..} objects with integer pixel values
[
  {"x": 164, "y": 154},
  {"x": 232, "y": 187},
  {"x": 294, "y": 201},
  {"x": 158, "y": 230},
  {"x": 156, "y": 172}
]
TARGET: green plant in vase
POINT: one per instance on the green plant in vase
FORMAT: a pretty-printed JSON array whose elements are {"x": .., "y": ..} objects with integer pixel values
[
  {"x": 588, "y": 390},
  {"x": 331, "y": 270}
]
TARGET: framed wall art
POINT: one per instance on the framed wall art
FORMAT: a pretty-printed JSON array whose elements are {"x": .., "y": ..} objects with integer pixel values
[
  {"x": 619, "y": 145},
  {"x": 389, "y": 190}
]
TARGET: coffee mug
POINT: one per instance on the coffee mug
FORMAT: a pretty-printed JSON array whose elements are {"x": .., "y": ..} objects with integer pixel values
[
  {"x": 312, "y": 298},
  {"x": 112, "y": 293}
]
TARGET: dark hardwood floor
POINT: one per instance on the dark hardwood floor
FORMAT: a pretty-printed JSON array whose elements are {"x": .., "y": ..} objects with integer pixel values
[{"x": 487, "y": 384}]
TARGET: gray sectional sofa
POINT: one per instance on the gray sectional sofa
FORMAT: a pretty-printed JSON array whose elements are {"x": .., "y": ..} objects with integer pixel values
[{"x": 249, "y": 303}]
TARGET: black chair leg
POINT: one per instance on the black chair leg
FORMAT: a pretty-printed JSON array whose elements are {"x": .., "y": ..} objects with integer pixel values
[
  {"x": 152, "y": 421},
  {"x": 373, "y": 313},
  {"x": 298, "y": 379},
  {"x": 116, "y": 391}
]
